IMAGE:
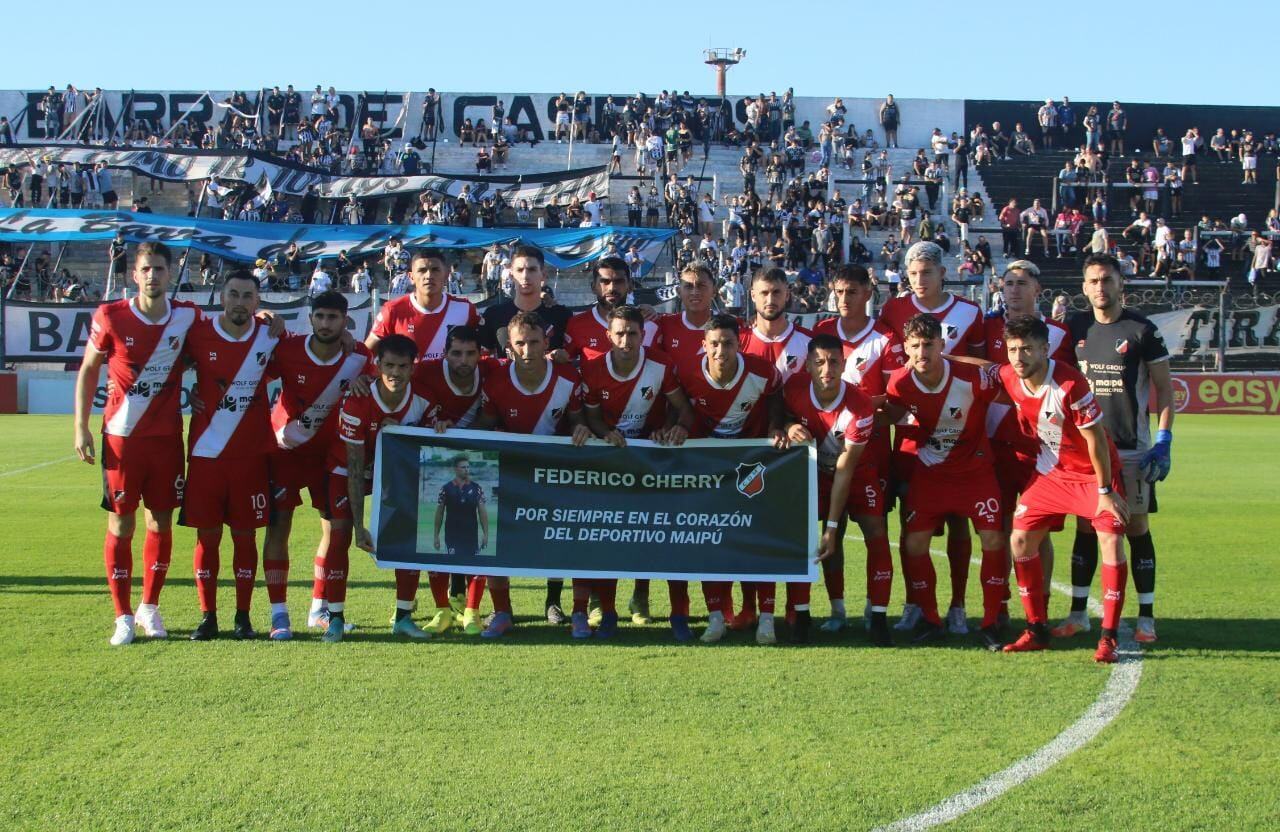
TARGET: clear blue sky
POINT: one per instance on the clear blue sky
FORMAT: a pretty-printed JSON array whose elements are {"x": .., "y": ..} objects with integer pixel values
[{"x": 993, "y": 50}]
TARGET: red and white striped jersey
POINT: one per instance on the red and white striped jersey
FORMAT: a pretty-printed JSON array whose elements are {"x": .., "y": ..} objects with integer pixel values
[
  {"x": 143, "y": 365},
  {"x": 846, "y": 422},
  {"x": 460, "y": 405},
  {"x": 634, "y": 404},
  {"x": 1060, "y": 348},
  {"x": 946, "y": 427},
  {"x": 587, "y": 335},
  {"x": 1055, "y": 413},
  {"x": 738, "y": 409},
  {"x": 870, "y": 355},
  {"x": 231, "y": 383},
  {"x": 542, "y": 412},
  {"x": 427, "y": 327},
  {"x": 311, "y": 390},
  {"x": 787, "y": 352},
  {"x": 962, "y": 330},
  {"x": 361, "y": 418}
]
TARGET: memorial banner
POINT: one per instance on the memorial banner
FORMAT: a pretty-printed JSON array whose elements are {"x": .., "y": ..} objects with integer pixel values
[{"x": 708, "y": 510}]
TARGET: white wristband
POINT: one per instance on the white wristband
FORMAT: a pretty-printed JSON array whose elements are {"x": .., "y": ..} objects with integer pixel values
[{"x": 832, "y": 524}]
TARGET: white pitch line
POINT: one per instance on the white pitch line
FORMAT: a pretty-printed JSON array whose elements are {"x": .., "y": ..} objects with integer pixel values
[
  {"x": 16, "y": 471},
  {"x": 1120, "y": 687}
]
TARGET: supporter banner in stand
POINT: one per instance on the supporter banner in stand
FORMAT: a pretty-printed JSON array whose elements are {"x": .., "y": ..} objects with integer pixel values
[
  {"x": 181, "y": 165},
  {"x": 710, "y": 510},
  {"x": 59, "y": 331},
  {"x": 1232, "y": 393},
  {"x": 248, "y": 241},
  {"x": 1193, "y": 333}
]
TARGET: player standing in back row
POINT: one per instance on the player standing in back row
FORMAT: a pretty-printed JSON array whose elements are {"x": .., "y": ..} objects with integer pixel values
[{"x": 1124, "y": 357}]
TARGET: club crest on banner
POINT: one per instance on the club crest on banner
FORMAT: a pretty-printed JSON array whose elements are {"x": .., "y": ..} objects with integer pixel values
[{"x": 750, "y": 479}]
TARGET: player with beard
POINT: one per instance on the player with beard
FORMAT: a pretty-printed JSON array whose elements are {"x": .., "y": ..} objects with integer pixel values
[
  {"x": 141, "y": 341},
  {"x": 532, "y": 395},
  {"x": 587, "y": 335},
  {"x": 773, "y": 338},
  {"x": 229, "y": 443},
  {"x": 631, "y": 392},
  {"x": 1075, "y": 460},
  {"x": 962, "y": 334},
  {"x": 871, "y": 353},
  {"x": 427, "y": 313},
  {"x": 315, "y": 371},
  {"x": 837, "y": 417},
  {"x": 733, "y": 396},
  {"x": 941, "y": 408}
]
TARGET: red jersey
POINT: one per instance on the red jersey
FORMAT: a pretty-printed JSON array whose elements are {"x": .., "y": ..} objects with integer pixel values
[
  {"x": 787, "y": 352},
  {"x": 453, "y": 403},
  {"x": 427, "y": 327},
  {"x": 680, "y": 339},
  {"x": 962, "y": 330},
  {"x": 846, "y": 422},
  {"x": 540, "y": 413},
  {"x": 231, "y": 383},
  {"x": 738, "y": 409},
  {"x": 311, "y": 389},
  {"x": 587, "y": 335},
  {"x": 634, "y": 404},
  {"x": 1055, "y": 413},
  {"x": 143, "y": 366},
  {"x": 360, "y": 418},
  {"x": 946, "y": 427},
  {"x": 1060, "y": 348},
  {"x": 870, "y": 355}
]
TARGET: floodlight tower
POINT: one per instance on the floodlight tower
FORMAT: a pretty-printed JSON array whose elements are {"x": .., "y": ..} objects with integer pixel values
[{"x": 722, "y": 59}]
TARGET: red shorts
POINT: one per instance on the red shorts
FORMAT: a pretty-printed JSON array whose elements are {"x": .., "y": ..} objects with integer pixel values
[
  {"x": 339, "y": 500},
  {"x": 292, "y": 471},
  {"x": 1049, "y": 499},
  {"x": 1013, "y": 475},
  {"x": 866, "y": 493},
  {"x": 144, "y": 469},
  {"x": 933, "y": 497},
  {"x": 231, "y": 492}
]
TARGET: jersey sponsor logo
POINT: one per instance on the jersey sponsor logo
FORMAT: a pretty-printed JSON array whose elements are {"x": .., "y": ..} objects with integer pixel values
[{"x": 750, "y": 479}]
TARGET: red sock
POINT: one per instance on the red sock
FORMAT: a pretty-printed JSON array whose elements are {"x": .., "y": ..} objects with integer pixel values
[
  {"x": 959, "y": 550},
  {"x": 679, "y": 592},
  {"x": 157, "y": 551},
  {"x": 1114, "y": 578},
  {"x": 500, "y": 592},
  {"x": 276, "y": 575},
  {"x": 244, "y": 560},
  {"x": 923, "y": 580},
  {"x": 798, "y": 595},
  {"x": 908, "y": 590},
  {"x": 439, "y": 582},
  {"x": 765, "y": 592},
  {"x": 833, "y": 577},
  {"x": 748, "y": 597},
  {"x": 1030, "y": 575},
  {"x": 336, "y": 562},
  {"x": 206, "y": 565},
  {"x": 993, "y": 574},
  {"x": 475, "y": 592},
  {"x": 642, "y": 588},
  {"x": 879, "y": 573},
  {"x": 407, "y": 585},
  {"x": 607, "y": 589},
  {"x": 317, "y": 580},
  {"x": 117, "y": 556},
  {"x": 714, "y": 592},
  {"x": 581, "y": 594}
]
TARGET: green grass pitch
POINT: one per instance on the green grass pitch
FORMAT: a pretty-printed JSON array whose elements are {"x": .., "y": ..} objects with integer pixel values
[{"x": 539, "y": 732}]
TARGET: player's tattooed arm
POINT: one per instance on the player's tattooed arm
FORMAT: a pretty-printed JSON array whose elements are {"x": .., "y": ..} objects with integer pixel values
[
  {"x": 275, "y": 323},
  {"x": 355, "y": 494}
]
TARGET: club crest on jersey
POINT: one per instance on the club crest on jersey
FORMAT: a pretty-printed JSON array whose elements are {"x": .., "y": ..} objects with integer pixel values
[
  {"x": 791, "y": 362},
  {"x": 750, "y": 479},
  {"x": 1122, "y": 346},
  {"x": 174, "y": 342},
  {"x": 956, "y": 412},
  {"x": 646, "y": 393},
  {"x": 952, "y": 332},
  {"x": 261, "y": 358},
  {"x": 556, "y": 413}
]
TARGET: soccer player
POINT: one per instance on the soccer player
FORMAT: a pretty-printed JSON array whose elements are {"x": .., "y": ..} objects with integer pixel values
[
  {"x": 529, "y": 275},
  {"x": 962, "y": 334},
  {"x": 733, "y": 396},
  {"x": 391, "y": 401},
  {"x": 315, "y": 371},
  {"x": 871, "y": 353},
  {"x": 141, "y": 342},
  {"x": 427, "y": 314},
  {"x": 945, "y": 406},
  {"x": 229, "y": 442},
  {"x": 680, "y": 334},
  {"x": 1076, "y": 459},
  {"x": 532, "y": 395},
  {"x": 631, "y": 392},
  {"x": 1124, "y": 357},
  {"x": 775, "y": 339},
  {"x": 462, "y": 514},
  {"x": 837, "y": 417},
  {"x": 587, "y": 333}
]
